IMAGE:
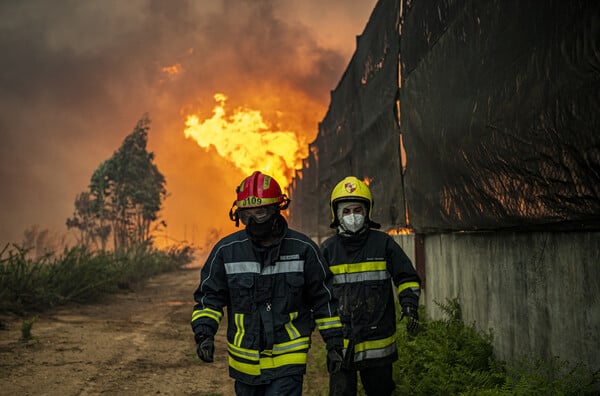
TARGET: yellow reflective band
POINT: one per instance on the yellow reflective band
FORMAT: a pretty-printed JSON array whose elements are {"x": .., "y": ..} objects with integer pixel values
[
  {"x": 291, "y": 346},
  {"x": 375, "y": 349},
  {"x": 298, "y": 344},
  {"x": 375, "y": 344},
  {"x": 253, "y": 201},
  {"x": 406, "y": 285},
  {"x": 361, "y": 277},
  {"x": 328, "y": 323},
  {"x": 358, "y": 267},
  {"x": 207, "y": 312},
  {"x": 283, "y": 360},
  {"x": 239, "y": 324},
  {"x": 246, "y": 368},
  {"x": 292, "y": 331},
  {"x": 266, "y": 363},
  {"x": 248, "y": 354}
]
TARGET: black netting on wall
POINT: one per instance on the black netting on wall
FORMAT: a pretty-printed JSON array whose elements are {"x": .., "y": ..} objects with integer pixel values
[
  {"x": 499, "y": 114},
  {"x": 360, "y": 133}
]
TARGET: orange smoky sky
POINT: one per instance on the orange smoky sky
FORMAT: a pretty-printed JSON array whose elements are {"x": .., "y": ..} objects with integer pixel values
[{"x": 78, "y": 75}]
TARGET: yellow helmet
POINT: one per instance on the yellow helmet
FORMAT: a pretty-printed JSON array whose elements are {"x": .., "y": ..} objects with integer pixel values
[{"x": 351, "y": 188}]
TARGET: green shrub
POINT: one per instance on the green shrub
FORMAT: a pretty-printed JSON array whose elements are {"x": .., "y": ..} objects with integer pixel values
[
  {"x": 553, "y": 377},
  {"x": 445, "y": 358},
  {"x": 22, "y": 280},
  {"x": 448, "y": 357},
  {"x": 81, "y": 276},
  {"x": 26, "y": 326},
  {"x": 77, "y": 275}
]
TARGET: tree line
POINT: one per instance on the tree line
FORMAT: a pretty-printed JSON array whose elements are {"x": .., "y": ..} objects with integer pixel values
[{"x": 124, "y": 197}]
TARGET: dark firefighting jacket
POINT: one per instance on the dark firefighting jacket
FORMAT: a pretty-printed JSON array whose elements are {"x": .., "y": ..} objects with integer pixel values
[
  {"x": 274, "y": 297},
  {"x": 364, "y": 267}
]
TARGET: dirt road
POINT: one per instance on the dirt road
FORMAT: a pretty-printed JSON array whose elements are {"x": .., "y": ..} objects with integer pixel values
[{"x": 135, "y": 343}]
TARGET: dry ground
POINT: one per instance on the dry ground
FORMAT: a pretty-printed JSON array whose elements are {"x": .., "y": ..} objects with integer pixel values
[{"x": 134, "y": 343}]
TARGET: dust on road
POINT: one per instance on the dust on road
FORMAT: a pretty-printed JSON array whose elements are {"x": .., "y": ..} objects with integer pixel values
[{"x": 135, "y": 343}]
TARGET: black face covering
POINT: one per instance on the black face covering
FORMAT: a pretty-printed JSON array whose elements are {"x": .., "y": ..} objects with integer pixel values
[{"x": 270, "y": 229}]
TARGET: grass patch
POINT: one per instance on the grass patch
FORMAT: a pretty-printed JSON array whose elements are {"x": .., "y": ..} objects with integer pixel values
[
  {"x": 77, "y": 275},
  {"x": 316, "y": 381},
  {"x": 26, "y": 330}
]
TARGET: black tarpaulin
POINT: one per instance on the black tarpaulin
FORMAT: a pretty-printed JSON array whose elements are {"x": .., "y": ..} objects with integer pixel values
[
  {"x": 360, "y": 133},
  {"x": 500, "y": 113},
  {"x": 499, "y": 106}
]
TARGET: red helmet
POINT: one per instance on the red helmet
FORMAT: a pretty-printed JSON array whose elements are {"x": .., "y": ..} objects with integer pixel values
[{"x": 255, "y": 191}]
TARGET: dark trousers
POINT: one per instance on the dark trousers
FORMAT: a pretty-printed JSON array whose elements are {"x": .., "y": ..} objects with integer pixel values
[
  {"x": 377, "y": 381},
  {"x": 284, "y": 386}
]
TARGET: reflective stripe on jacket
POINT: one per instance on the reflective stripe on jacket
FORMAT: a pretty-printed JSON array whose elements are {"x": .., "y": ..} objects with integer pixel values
[
  {"x": 364, "y": 268},
  {"x": 273, "y": 298}
]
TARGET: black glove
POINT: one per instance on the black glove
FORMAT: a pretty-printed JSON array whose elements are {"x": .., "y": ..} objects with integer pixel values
[
  {"x": 205, "y": 348},
  {"x": 335, "y": 358},
  {"x": 412, "y": 324}
]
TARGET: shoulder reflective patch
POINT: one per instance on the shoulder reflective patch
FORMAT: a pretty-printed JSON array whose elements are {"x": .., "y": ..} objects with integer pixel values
[
  {"x": 361, "y": 277},
  {"x": 360, "y": 272},
  {"x": 359, "y": 267},
  {"x": 282, "y": 267},
  {"x": 242, "y": 267}
]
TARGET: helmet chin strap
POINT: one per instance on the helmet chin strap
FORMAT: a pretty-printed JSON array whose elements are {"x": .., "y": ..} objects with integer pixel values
[
  {"x": 266, "y": 233},
  {"x": 233, "y": 214},
  {"x": 348, "y": 234},
  {"x": 285, "y": 202}
]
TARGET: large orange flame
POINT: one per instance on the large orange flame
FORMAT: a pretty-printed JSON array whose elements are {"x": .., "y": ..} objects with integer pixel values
[{"x": 246, "y": 140}]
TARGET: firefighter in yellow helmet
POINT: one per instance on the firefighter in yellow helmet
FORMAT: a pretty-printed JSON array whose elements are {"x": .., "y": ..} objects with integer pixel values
[
  {"x": 369, "y": 268},
  {"x": 276, "y": 287}
]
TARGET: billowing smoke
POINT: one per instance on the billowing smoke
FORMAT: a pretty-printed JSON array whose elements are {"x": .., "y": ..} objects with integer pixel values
[{"x": 78, "y": 75}]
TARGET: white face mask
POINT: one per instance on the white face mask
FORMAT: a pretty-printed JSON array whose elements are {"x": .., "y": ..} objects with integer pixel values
[{"x": 353, "y": 222}]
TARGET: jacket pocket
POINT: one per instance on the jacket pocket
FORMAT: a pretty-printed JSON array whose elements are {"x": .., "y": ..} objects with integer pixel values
[
  {"x": 374, "y": 298},
  {"x": 241, "y": 292},
  {"x": 294, "y": 288}
]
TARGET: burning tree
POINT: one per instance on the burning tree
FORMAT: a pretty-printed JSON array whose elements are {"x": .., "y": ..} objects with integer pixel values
[{"x": 125, "y": 197}]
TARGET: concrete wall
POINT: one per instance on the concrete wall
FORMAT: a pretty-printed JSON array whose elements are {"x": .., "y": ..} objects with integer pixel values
[{"x": 539, "y": 292}]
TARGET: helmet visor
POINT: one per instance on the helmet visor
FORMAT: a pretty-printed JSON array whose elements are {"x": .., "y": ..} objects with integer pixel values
[{"x": 260, "y": 214}]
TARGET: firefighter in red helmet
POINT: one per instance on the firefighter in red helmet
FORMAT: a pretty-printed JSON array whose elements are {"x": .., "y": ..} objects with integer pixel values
[{"x": 276, "y": 287}]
